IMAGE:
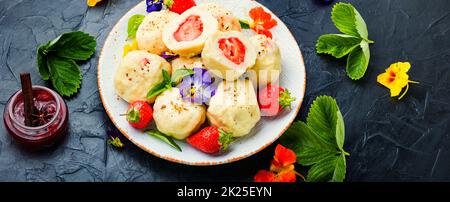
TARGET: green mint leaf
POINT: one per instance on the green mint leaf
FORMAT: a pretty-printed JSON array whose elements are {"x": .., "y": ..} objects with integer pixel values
[
  {"x": 358, "y": 60},
  {"x": 161, "y": 87},
  {"x": 166, "y": 76},
  {"x": 164, "y": 138},
  {"x": 133, "y": 25},
  {"x": 180, "y": 74},
  {"x": 244, "y": 24},
  {"x": 65, "y": 75},
  {"x": 75, "y": 45},
  {"x": 42, "y": 62},
  {"x": 337, "y": 45},
  {"x": 158, "y": 89},
  {"x": 348, "y": 20},
  {"x": 340, "y": 169}
]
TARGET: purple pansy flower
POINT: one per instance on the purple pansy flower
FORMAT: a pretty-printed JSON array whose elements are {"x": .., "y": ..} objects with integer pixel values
[
  {"x": 198, "y": 87},
  {"x": 169, "y": 56},
  {"x": 154, "y": 5}
]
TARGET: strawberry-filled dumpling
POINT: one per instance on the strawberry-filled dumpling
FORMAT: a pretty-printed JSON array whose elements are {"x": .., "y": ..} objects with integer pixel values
[
  {"x": 227, "y": 21},
  {"x": 137, "y": 73},
  {"x": 149, "y": 33},
  {"x": 268, "y": 61},
  {"x": 234, "y": 108},
  {"x": 175, "y": 117},
  {"x": 228, "y": 54},
  {"x": 186, "y": 34}
]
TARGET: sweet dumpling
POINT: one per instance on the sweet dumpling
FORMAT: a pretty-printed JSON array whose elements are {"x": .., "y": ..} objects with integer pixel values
[
  {"x": 234, "y": 108},
  {"x": 175, "y": 117},
  {"x": 227, "y": 21},
  {"x": 268, "y": 61},
  {"x": 187, "y": 63},
  {"x": 228, "y": 54},
  {"x": 149, "y": 33},
  {"x": 187, "y": 33},
  {"x": 137, "y": 73}
]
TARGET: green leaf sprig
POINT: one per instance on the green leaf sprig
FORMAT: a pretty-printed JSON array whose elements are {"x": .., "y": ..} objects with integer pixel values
[
  {"x": 169, "y": 81},
  {"x": 164, "y": 138},
  {"x": 56, "y": 60},
  {"x": 354, "y": 42},
  {"x": 133, "y": 25},
  {"x": 319, "y": 142}
]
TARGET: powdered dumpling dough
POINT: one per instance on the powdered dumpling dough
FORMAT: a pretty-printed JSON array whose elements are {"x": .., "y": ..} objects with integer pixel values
[
  {"x": 149, "y": 33},
  {"x": 175, "y": 117},
  {"x": 227, "y": 21},
  {"x": 234, "y": 108},
  {"x": 187, "y": 63},
  {"x": 268, "y": 61},
  {"x": 137, "y": 73}
]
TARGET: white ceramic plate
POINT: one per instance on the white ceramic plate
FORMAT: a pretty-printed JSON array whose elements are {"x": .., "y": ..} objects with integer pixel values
[{"x": 293, "y": 77}]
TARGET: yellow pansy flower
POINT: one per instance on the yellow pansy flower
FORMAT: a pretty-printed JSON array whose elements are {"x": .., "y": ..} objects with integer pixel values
[
  {"x": 92, "y": 3},
  {"x": 130, "y": 47},
  {"x": 396, "y": 78}
]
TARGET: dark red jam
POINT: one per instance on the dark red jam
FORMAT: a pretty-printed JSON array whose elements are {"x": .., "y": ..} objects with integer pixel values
[{"x": 49, "y": 119}]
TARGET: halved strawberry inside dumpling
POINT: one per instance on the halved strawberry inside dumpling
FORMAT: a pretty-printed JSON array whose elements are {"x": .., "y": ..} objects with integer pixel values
[
  {"x": 228, "y": 54},
  {"x": 186, "y": 34}
]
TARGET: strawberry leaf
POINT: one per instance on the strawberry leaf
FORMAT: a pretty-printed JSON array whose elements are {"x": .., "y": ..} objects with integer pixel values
[
  {"x": 319, "y": 142},
  {"x": 73, "y": 45},
  {"x": 337, "y": 45},
  {"x": 358, "y": 60},
  {"x": 348, "y": 20},
  {"x": 65, "y": 75}
]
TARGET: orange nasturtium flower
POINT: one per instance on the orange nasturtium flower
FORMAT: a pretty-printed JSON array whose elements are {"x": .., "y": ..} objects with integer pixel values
[
  {"x": 262, "y": 21},
  {"x": 396, "y": 78},
  {"x": 92, "y": 3},
  {"x": 281, "y": 168}
]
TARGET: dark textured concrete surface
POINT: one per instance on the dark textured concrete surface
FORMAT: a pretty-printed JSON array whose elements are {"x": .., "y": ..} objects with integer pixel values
[{"x": 389, "y": 140}]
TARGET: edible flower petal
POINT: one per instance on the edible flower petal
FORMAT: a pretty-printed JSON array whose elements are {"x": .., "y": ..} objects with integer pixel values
[
  {"x": 130, "y": 47},
  {"x": 154, "y": 5},
  {"x": 264, "y": 176},
  {"x": 114, "y": 139},
  {"x": 169, "y": 56},
  {"x": 198, "y": 87},
  {"x": 92, "y": 3},
  {"x": 283, "y": 159},
  {"x": 396, "y": 78},
  {"x": 262, "y": 21},
  {"x": 282, "y": 167}
]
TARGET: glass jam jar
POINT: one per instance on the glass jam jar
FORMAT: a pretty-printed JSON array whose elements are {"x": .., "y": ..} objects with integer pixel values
[{"x": 50, "y": 118}]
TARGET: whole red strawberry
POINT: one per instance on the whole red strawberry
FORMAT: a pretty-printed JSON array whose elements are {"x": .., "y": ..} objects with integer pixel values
[
  {"x": 273, "y": 99},
  {"x": 210, "y": 140},
  {"x": 139, "y": 114},
  {"x": 179, "y": 6}
]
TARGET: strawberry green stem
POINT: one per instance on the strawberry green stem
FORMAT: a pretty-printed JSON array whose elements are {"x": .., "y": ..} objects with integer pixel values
[{"x": 285, "y": 99}]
